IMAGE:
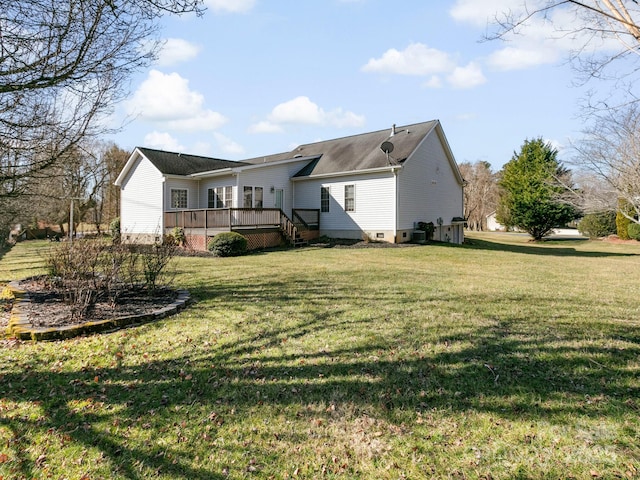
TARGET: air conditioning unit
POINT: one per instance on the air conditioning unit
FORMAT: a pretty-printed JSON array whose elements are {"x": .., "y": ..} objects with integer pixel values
[{"x": 419, "y": 236}]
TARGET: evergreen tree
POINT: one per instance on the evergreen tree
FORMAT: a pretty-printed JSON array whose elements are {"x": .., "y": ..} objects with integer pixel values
[{"x": 532, "y": 182}]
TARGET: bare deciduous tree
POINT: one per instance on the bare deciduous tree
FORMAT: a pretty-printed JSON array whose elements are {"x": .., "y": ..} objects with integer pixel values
[
  {"x": 480, "y": 193},
  {"x": 63, "y": 66},
  {"x": 85, "y": 173},
  {"x": 606, "y": 39},
  {"x": 610, "y": 151},
  {"x": 603, "y": 34}
]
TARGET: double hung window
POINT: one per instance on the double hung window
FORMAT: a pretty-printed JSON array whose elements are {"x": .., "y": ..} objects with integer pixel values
[
  {"x": 324, "y": 199},
  {"x": 349, "y": 198},
  {"x": 219, "y": 197},
  {"x": 253, "y": 197}
]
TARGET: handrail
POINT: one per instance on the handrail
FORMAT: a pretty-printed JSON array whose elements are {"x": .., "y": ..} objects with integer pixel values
[
  {"x": 300, "y": 220},
  {"x": 288, "y": 227},
  {"x": 230, "y": 218},
  {"x": 307, "y": 217}
]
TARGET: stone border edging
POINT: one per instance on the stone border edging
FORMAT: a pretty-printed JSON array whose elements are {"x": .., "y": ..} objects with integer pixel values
[{"x": 20, "y": 327}]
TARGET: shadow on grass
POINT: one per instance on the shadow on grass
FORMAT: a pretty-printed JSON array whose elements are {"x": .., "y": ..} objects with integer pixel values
[
  {"x": 546, "y": 248},
  {"x": 508, "y": 369}
]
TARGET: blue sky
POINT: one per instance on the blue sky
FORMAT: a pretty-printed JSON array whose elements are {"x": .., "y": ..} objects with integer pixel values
[{"x": 255, "y": 77}]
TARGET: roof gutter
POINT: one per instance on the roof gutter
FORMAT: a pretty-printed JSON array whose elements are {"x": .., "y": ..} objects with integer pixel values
[
  {"x": 242, "y": 168},
  {"x": 214, "y": 173},
  {"x": 391, "y": 168}
]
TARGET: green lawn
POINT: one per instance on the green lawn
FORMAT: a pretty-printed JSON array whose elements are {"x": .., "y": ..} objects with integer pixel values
[{"x": 496, "y": 359}]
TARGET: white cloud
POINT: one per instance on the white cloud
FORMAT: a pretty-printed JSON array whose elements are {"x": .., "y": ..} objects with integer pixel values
[
  {"x": 302, "y": 111},
  {"x": 167, "y": 99},
  {"x": 265, "y": 127},
  {"x": 434, "y": 82},
  {"x": 177, "y": 50},
  {"x": 162, "y": 141},
  {"x": 514, "y": 58},
  {"x": 201, "y": 148},
  {"x": 467, "y": 77},
  {"x": 298, "y": 110},
  {"x": 544, "y": 38},
  {"x": 228, "y": 146},
  {"x": 482, "y": 13},
  {"x": 419, "y": 59},
  {"x": 416, "y": 59},
  {"x": 230, "y": 6}
]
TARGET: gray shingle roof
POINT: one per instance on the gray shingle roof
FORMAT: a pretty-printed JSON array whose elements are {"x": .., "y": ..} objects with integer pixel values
[
  {"x": 347, "y": 154},
  {"x": 170, "y": 163},
  {"x": 362, "y": 152}
]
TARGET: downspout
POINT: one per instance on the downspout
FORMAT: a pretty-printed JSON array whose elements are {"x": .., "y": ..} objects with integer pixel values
[
  {"x": 236, "y": 201},
  {"x": 395, "y": 208},
  {"x": 164, "y": 204}
]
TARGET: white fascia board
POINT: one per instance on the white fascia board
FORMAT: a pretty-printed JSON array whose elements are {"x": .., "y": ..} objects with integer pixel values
[
  {"x": 280, "y": 162},
  {"x": 127, "y": 166},
  {"x": 390, "y": 168},
  {"x": 213, "y": 173},
  {"x": 234, "y": 170},
  {"x": 182, "y": 177}
]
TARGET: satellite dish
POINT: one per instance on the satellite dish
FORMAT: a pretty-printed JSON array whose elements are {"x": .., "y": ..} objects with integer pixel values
[{"x": 386, "y": 147}]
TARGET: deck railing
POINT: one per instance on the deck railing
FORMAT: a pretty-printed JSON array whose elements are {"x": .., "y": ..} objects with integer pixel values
[
  {"x": 307, "y": 217},
  {"x": 230, "y": 218}
]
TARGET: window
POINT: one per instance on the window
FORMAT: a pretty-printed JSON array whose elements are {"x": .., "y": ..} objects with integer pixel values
[
  {"x": 349, "y": 198},
  {"x": 219, "y": 197},
  {"x": 253, "y": 197},
  {"x": 324, "y": 199},
  {"x": 178, "y": 198},
  {"x": 228, "y": 197},
  {"x": 248, "y": 197}
]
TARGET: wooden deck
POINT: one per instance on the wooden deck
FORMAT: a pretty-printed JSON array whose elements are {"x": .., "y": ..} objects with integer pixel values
[{"x": 211, "y": 221}]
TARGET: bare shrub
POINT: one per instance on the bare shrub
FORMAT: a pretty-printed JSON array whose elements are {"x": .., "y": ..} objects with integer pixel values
[
  {"x": 155, "y": 260},
  {"x": 89, "y": 271}
]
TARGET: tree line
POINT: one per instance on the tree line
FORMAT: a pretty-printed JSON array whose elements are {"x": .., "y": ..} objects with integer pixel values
[
  {"x": 603, "y": 184},
  {"x": 64, "y": 65},
  {"x": 536, "y": 193}
]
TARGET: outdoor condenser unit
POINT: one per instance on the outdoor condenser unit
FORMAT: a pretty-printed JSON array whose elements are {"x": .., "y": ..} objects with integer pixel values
[{"x": 419, "y": 236}]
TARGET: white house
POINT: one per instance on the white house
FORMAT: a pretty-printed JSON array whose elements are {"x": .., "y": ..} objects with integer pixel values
[{"x": 378, "y": 185}]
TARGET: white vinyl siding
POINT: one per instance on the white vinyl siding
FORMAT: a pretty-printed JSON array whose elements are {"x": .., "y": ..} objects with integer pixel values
[
  {"x": 191, "y": 186},
  {"x": 271, "y": 178},
  {"x": 222, "y": 186},
  {"x": 375, "y": 199},
  {"x": 427, "y": 186},
  {"x": 141, "y": 199}
]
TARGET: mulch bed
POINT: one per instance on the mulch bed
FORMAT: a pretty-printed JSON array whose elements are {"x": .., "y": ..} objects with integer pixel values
[{"x": 47, "y": 307}]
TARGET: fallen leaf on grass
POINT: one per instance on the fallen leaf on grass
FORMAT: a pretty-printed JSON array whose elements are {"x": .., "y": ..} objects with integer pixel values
[{"x": 4, "y": 457}]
